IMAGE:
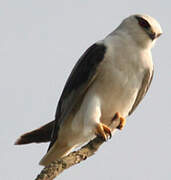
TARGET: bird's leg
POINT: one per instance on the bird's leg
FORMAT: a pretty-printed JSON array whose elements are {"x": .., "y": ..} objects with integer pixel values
[
  {"x": 103, "y": 131},
  {"x": 122, "y": 121}
]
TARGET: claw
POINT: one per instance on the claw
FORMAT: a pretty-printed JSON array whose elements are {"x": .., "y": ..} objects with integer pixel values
[
  {"x": 122, "y": 121},
  {"x": 103, "y": 131}
]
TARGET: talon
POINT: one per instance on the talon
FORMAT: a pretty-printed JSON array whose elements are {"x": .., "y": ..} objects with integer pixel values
[
  {"x": 116, "y": 116},
  {"x": 122, "y": 121},
  {"x": 103, "y": 131}
]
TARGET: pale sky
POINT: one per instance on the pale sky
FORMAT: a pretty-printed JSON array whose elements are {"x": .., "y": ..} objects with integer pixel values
[{"x": 40, "y": 41}]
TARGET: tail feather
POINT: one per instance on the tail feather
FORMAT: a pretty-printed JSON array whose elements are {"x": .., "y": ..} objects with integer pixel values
[
  {"x": 57, "y": 151},
  {"x": 42, "y": 134}
]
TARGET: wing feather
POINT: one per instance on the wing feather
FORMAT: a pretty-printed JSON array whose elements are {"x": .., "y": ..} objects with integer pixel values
[
  {"x": 81, "y": 77},
  {"x": 148, "y": 76}
]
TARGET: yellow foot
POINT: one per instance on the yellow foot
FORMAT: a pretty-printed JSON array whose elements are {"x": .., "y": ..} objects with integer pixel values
[
  {"x": 103, "y": 131},
  {"x": 122, "y": 121}
]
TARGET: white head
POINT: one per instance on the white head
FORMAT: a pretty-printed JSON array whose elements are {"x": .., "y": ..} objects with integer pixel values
[{"x": 143, "y": 29}]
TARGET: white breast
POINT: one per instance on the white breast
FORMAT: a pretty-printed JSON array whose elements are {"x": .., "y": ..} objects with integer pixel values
[{"x": 115, "y": 88}]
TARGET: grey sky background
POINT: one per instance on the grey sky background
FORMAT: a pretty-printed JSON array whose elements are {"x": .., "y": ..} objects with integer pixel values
[{"x": 40, "y": 41}]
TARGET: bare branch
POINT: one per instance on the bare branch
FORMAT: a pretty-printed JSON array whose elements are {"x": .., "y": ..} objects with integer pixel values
[{"x": 58, "y": 166}]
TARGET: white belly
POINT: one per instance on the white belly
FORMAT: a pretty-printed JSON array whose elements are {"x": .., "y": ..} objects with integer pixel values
[
  {"x": 116, "y": 89},
  {"x": 113, "y": 91}
]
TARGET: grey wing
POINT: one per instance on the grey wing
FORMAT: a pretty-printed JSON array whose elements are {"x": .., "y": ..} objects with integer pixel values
[
  {"x": 148, "y": 76},
  {"x": 81, "y": 77}
]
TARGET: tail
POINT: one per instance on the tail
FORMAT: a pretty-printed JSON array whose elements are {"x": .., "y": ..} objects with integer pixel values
[
  {"x": 42, "y": 134},
  {"x": 58, "y": 150}
]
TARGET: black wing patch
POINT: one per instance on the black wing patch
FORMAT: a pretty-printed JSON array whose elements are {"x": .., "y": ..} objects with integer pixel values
[
  {"x": 79, "y": 80},
  {"x": 84, "y": 68}
]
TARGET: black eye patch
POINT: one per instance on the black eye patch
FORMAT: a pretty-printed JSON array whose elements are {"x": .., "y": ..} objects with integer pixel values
[{"x": 142, "y": 22}]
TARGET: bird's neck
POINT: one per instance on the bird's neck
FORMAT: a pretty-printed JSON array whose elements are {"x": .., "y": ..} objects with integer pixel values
[{"x": 132, "y": 38}]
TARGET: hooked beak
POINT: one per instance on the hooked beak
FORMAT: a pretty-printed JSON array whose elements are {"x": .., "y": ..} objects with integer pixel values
[{"x": 154, "y": 35}]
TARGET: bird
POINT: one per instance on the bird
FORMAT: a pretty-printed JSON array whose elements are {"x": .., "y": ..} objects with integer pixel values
[{"x": 108, "y": 81}]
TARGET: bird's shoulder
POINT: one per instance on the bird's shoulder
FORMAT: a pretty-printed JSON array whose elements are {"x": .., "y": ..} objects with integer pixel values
[{"x": 81, "y": 77}]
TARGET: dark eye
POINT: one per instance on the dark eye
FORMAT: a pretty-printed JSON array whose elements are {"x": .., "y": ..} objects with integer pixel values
[{"x": 142, "y": 22}]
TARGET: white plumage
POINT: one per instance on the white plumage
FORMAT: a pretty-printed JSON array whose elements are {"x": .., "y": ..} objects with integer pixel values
[
  {"x": 110, "y": 79},
  {"x": 121, "y": 80}
]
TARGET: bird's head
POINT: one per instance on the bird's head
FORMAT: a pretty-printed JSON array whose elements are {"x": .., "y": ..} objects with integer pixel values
[{"x": 142, "y": 28}]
